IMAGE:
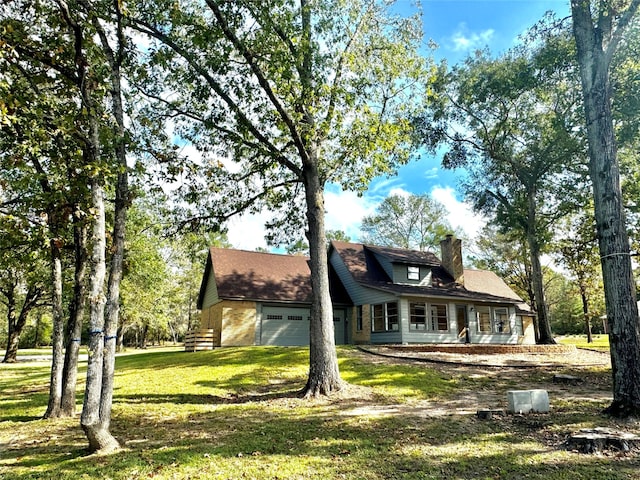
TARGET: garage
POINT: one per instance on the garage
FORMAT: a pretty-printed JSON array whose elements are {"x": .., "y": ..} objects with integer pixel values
[{"x": 289, "y": 326}]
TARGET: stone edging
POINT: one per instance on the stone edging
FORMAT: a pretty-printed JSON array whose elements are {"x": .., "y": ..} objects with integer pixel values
[{"x": 485, "y": 349}]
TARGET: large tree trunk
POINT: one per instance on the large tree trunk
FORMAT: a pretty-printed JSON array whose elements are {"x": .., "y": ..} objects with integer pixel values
[
  {"x": 57, "y": 336},
  {"x": 324, "y": 375},
  {"x": 619, "y": 286},
  {"x": 76, "y": 316},
  {"x": 543, "y": 326},
  {"x": 119, "y": 228},
  {"x": 93, "y": 424},
  {"x": 96, "y": 431}
]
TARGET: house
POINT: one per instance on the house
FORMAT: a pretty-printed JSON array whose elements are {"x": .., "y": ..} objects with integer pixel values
[{"x": 379, "y": 294}]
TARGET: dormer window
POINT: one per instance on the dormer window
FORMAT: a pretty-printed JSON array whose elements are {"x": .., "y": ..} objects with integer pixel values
[{"x": 413, "y": 273}]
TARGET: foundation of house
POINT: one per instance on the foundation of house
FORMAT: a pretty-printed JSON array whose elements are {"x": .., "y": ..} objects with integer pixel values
[{"x": 484, "y": 349}]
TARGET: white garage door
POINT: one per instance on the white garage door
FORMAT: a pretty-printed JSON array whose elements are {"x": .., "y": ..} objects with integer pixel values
[{"x": 288, "y": 326}]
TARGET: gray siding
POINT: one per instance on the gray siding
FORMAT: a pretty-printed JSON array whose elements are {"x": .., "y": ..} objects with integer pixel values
[
  {"x": 211, "y": 292},
  {"x": 400, "y": 274},
  {"x": 359, "y": 294},
  {"x": 385, "y": 263},
  {"x": 386, "y": 337}
]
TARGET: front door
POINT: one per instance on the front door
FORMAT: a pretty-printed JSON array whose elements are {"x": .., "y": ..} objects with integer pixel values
[{"x": 463, "y": 323}]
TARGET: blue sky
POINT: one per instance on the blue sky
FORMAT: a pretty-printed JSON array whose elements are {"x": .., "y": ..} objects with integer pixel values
[{"x": 458, "y": 27}]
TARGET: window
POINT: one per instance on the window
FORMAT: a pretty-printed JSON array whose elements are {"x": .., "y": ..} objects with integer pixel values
[
  {"x": 359, "y": 318},
  {"x": 501, "y": 320},
  {"x": 385, "y": 317},
  {"x": 484, "y": 319},
  {"x": 392, "y": 316},
  {"x": 417, "y": 316},
  {"x": 413, "y": 273},
  {"x": 295, "y": 317},
  {"x": 439, "y": 318},
  {"x": 493, "y": 320},
  {"x": 274, "y": 317}
]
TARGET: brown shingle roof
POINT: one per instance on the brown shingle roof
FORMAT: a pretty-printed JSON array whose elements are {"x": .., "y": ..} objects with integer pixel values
[
  {"x": 401, "y": 255},
  {"x": 269, "y": 277},
  {"x": 247, "y": 275},
  {"x": 485, "y": 281},
  {"x": 479, "y": 285},
  {"x": 361, "y": 266}
]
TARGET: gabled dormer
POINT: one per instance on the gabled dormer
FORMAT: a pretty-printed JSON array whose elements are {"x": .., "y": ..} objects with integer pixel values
[{"x": 406, "y": 267}]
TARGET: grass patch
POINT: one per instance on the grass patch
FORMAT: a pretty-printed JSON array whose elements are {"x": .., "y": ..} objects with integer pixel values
[
  {"x": 233, "y": 413},
  {"x": 600, "y": 342}
]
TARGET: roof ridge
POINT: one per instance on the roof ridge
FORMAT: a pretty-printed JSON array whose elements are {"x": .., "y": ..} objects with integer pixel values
[{"x": 306, "y": 257}]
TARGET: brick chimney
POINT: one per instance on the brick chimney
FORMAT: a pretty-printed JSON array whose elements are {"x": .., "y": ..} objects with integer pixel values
[{"x": 451, "y": 249}]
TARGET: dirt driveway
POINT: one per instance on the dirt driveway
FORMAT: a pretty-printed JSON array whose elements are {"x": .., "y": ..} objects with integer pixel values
[{"x": 491, "y": 376}]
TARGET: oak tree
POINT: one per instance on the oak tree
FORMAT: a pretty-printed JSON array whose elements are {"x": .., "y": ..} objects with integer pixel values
[
  {"x": 416, "y": 222},
  {"x": 283, "y": 97},
  {"x": 509, "y": 122},
  {"x": 598, "y": 29}
]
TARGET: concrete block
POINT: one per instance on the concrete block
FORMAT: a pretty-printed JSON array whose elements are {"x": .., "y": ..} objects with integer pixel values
[{"x": 527, "y": 401}]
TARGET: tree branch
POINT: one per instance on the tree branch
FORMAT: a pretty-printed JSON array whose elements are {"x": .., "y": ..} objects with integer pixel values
[
  {"x": 150, "y": 30},
  {"x": 618, "y": 32},
  {"x": 264, "y": 84}
]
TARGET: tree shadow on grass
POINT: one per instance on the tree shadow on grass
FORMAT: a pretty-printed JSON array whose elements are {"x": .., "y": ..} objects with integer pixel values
[
  {"x": 205, "y": 399},
  {"x": 265, "y": 439}
]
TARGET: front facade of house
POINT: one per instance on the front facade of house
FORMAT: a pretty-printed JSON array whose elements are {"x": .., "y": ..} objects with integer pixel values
[
  {"x": 410, "y": 297},
  {"x": 380, "y": 296},
  {"x": 255, "y": 298}
]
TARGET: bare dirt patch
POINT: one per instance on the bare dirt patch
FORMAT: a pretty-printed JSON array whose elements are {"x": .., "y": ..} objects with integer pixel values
[{"x": 485, "y": 379}]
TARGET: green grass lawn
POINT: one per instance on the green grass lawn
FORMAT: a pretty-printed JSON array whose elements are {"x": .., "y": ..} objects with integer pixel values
[
  {"x": 600, "y": 342},
  {"x": 233, "y": 413}
]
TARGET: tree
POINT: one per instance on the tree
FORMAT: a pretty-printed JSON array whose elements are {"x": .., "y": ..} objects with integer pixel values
[
  {"x": 96, "y": 412},
  {"x": 598, "y": 30},
  {"x": 44, "y": 166},
  {"x": 565, "y": 310},
  {"x": 578, "y": 252},
  {"x": 414, "y": 221},
  {"x": 298, "y": 94},
  {"x": 509, "y": 121},
  {"x": 508, "y": 256},
  {"x": 21, "y": 275},
  {"x": 69, "y": 45}
]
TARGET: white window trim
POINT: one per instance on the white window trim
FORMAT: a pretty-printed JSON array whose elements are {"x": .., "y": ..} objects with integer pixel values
[
  {"x": 430, "y": 322},
  {"x": 386, "y": 317},
  {"x": 493, "y": 320},
  {"x": 413, "y": 272}
]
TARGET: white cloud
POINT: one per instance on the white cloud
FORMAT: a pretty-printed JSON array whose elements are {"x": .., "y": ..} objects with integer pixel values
[
  {"x": 345, "y": 211},
  {"x": 399, "y": 192},
  {"x": 432, "y": 173},
  {"x": 461, "y": 215},
  {"x": 246, "y": 232},
  {"x": 464, "y": 40}
]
